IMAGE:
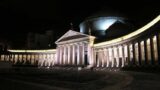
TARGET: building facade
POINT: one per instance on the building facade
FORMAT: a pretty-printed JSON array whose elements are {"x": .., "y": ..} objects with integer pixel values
[{"x": 138, "y": 48}]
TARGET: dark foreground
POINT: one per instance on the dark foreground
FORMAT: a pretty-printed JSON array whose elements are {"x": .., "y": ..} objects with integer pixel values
[{"x": 72, "y": 79}]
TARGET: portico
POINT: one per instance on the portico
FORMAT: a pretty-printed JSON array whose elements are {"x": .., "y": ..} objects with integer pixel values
[{"x": 75, "y": 48}]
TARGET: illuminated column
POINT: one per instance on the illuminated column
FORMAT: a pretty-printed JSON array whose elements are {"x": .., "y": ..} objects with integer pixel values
[
  {"x": 73, "y": 54},
  {"x": 64, "y": 54},
  {"x": 103, "y": 57},
  {"x": 145, "y": 50},
  {"x": 112, "y": 57},
  {"x": 17, "y": 58},
  {"x": 139, "y": 53},
  {"x": 57, "y": 55},
  {"x": 107, "y": 56},
  {"x": 83, "y": 53},
  {"x": 128, "y": 52},
  {"x": 123, "y": 56},
  {"x": 98, "y": 58},
  {"x": 134, "y": 54},
  {"x": 78, "y": 54},
  {"x": 13, "y": 58},
  {"x": 69, "y": 54},
  {"x": 60, "y": 55},
  {"x": 95, "y": 59},
  {"x": 24, "y": 59},
  {"x": 152, "y": 51},
  {"x": 120, "y": 53},
  {"x": 158, "y": 46},
  {"x": 115, "y": 52},
  {"x": 155, "y": 49}
]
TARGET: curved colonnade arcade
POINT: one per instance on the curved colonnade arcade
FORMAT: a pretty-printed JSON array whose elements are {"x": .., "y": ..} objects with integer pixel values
[
  {"x": 30, "y": 57},
  {"x": 138, "y": 48}
]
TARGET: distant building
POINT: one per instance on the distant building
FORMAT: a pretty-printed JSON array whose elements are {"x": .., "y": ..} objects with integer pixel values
[{"x": 40, "y": 41}]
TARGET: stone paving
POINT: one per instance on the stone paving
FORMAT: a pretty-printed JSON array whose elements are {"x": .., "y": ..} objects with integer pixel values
[{"x": 72, "y": 79}]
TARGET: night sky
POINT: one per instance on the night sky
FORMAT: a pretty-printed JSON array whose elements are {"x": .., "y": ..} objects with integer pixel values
[{"x": 18, "y": 17}]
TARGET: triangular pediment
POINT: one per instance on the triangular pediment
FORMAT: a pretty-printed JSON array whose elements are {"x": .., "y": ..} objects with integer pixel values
[{"x": 71, "y": 35}]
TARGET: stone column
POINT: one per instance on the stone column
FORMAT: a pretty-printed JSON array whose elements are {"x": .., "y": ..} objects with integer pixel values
[
  {"x": 13, "y": 58},
  {"x": 128, "y": 54},
  {"x": 60, "y": 55},
  {"x": 152, "y": 51},
  {"x": 134, "y": 55},
  {"x": 64, "y": 54},
  {"x": 145, "y": 50},
  {"x": 158, "y": 47},
  {"x": 103, "y": 58},
  {"x": 73, "y": 54},
  {"x": 95, "y": 58},
  {"x": 57, "y": 55},
  {"x": 69, "y": 54},
  {"x": 98, "y": 58},
  {"x": 83, "y": 53},
  {"x": 112, "y": 57},
  {"x": 78, "y": 54},
  {"x": 123, "y": 56},
  {"x": 139, "y": 52},
  {"x": 116, "y": 55}
]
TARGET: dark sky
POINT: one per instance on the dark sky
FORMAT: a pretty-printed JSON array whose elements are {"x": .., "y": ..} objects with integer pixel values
[{"x": 18, "y": 17}]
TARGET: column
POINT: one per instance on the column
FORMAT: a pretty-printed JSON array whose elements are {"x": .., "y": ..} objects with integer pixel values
[
  {"x": 95, "y": 58},
  {"x": 60, "y": 55},
  {"x": 140, "y": 53},
  {"x": 73, "y": 54},
  {"x": 155, "y": 50},
  {"x": 134, "y": 55},
  {"x": 152, "y": 51},
  {"x": 13, "y": 58},
  {"x": 107, "y": 53},
  {"x": 112, "y": 57},
  {"x": 69, "y": 54},
  {"x": 64, "y": 55},
  {"x": 123, "y": 56},
  {"x": 102, "y": 57},
  {"x": 57, "y": 55},
  {"x": 98, "y": 58},
  {"x": 83, "y": 53},
  {"x": 158, "y": 47},
  {"x": 78, "y": 54},
  {"x": 145, "y": 50},
  {"x": 117, "y": 56},
  {"x": 128, "y": 53}
]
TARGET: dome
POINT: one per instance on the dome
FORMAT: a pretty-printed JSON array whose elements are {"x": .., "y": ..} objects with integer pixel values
[{"x": 102, "y": 23}]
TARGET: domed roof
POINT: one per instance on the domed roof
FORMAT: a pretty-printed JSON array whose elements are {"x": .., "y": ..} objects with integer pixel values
[
  {"x": 107, "y": 13},
  {"x": 106, "y": 24}
]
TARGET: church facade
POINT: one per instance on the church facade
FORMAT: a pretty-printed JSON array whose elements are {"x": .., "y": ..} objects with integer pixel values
[{"x": 138, "y": 48}]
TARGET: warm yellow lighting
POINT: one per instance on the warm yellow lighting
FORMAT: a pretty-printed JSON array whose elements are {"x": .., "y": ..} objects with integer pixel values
[
  {"x": 125, "y": 37},
  {"x": 49, "y": 50}
]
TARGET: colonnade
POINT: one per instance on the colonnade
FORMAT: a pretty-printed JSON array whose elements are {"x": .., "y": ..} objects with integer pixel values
[
  {"x": 139, "y": 52},
  {"x": 39, "y": 59},
  {"x": 71, "y": 54}
]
